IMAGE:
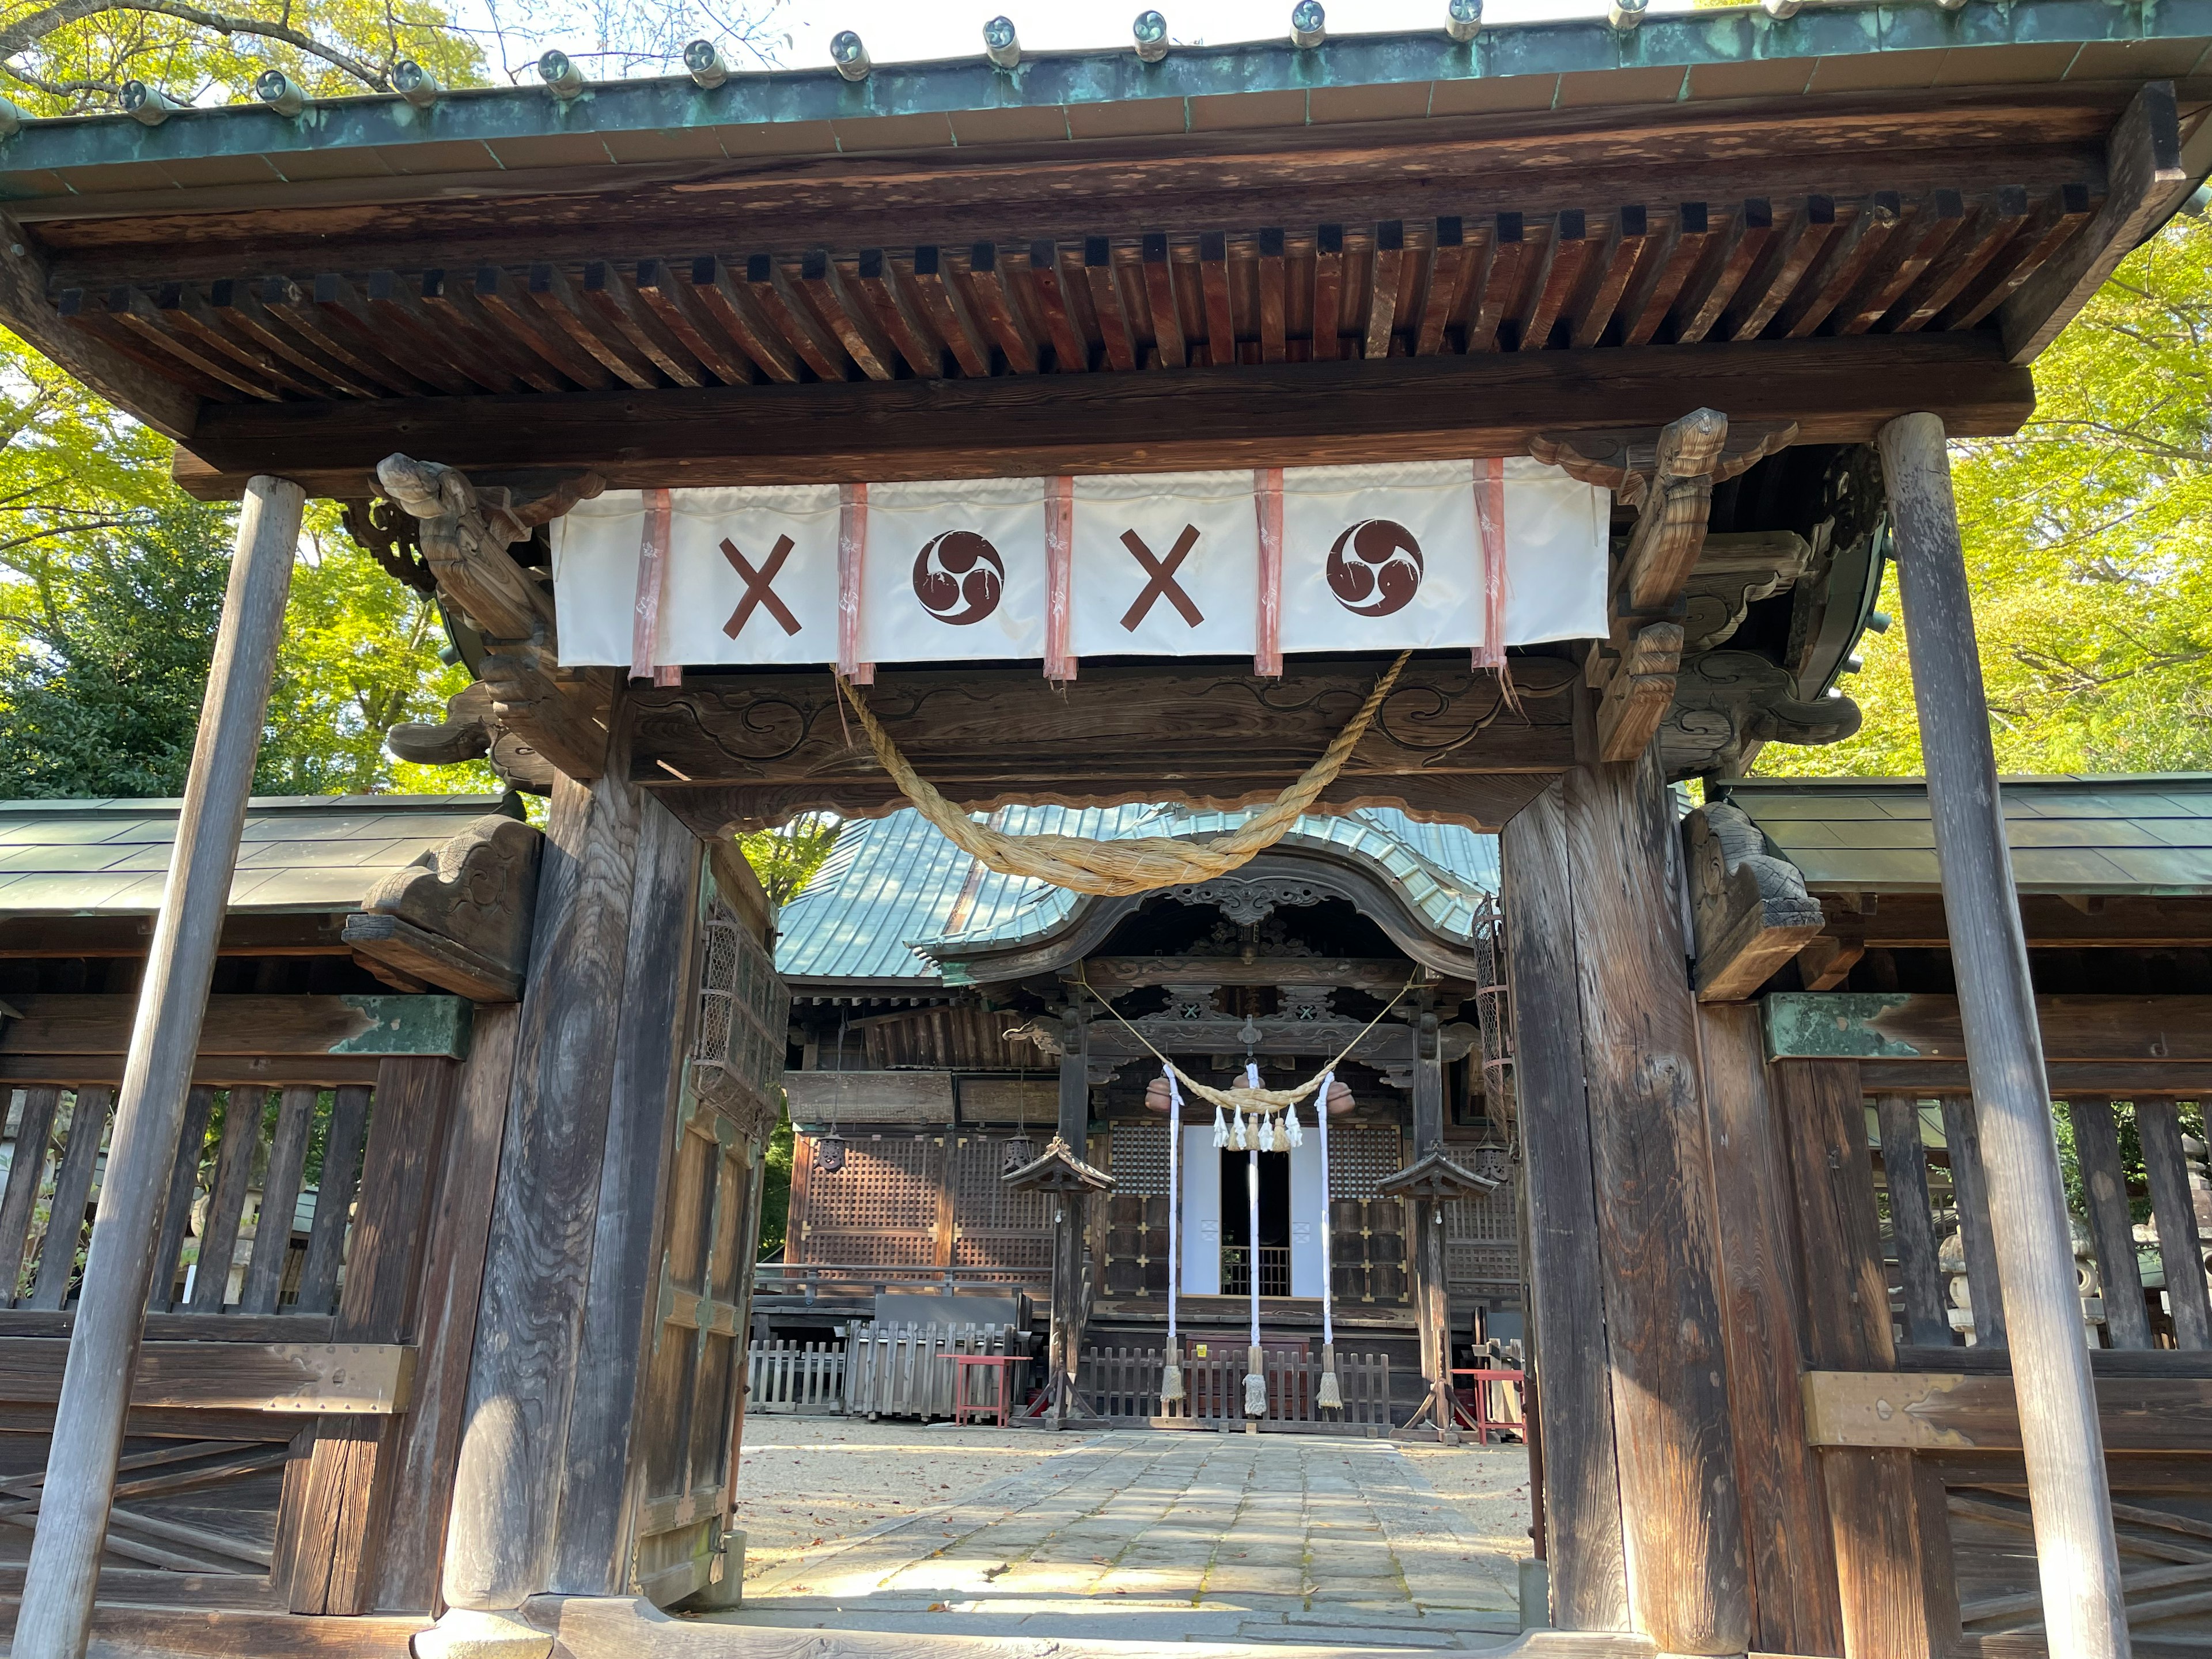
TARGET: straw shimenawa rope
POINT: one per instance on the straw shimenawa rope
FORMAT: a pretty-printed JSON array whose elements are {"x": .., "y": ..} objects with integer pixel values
[
  {"x": 1139, "y": 864},
  {"x": 1260, "y": 1102}
]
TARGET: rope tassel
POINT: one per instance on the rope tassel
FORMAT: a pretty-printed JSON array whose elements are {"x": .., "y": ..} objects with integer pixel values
[
  {"x": 1256, "y": 1394},
  {"x": 1328, "y": 1396}
]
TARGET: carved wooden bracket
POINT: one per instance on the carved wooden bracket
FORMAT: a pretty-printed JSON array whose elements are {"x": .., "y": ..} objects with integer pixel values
[
  {"x": 1732, "y": 572},
  {"x": 1726, "y": 703},
  {"x": 1623, "y": 461},
  {"x": 1668, "y": 473},
  {"x": 1749, "y": 910},
  {"x": 563, "y": 715},
  {"x": 459, "y": 916},
  {"x": 472, "y": 731}
]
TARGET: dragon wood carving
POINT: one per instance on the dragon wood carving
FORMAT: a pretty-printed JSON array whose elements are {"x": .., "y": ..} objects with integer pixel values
[{"x": 558, "y": 718}]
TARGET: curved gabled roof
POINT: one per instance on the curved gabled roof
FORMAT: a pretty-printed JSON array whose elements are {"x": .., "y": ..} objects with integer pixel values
[{"x": 895, "y": 893}]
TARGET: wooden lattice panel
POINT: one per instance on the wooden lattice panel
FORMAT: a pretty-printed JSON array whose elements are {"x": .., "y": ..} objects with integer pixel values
[
  {"x": 879, "y": 1211},
  {"x": 995, "y": 1230},
  {"x": 1482, "y": 1235},
  {"x": 1138, "y": 1153},
  {"x": 1360, "y": 1155},
  {"x": 744, "y": 1015}
]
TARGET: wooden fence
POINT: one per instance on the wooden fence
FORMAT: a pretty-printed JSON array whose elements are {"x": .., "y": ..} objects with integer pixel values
[
  {"x": 794, "y": 1379},
  {"x": 880, "y": 1370},
  {"x": 1944, "y": 1270},
  {"x": 228, "y": 1242},
  {"x": 1123, "y": 1384}
]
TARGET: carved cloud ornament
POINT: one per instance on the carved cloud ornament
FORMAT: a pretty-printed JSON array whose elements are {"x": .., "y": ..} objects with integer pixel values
[
  {"x": 459, "y": 916},
  {"x": 1749, "y": 910}
]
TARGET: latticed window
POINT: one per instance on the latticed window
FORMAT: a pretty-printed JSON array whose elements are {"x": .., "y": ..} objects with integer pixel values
[
  {"x": 1482, "y": 1235},
  {"x": 879, "y": 1210},
  {"x": 996, "y": 1230},
  {"x": 1139, "y": 1156},
  {"x": 1359, "y": 1156}
]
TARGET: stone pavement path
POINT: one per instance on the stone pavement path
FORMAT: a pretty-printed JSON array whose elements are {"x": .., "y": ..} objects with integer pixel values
[{"x": 1173, "y": 1537}]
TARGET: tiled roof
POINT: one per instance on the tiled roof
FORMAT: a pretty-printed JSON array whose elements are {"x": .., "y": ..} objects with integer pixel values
[
  {"x": 2146, "y": 836},
  {"x": 894, "y": 884},
  {"x": 298, "y": 853}
]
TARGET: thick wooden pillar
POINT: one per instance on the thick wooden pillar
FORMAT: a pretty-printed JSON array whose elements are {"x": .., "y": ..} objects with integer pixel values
[
  {"x": 59, "y": 1585},
  {"x": 2076, "y": 1559},
  {"x": 1785, "y": 1508},
  {"x": 1679, "y": 1508},
  {"x": 1888, "y": 1524},
  {"x": 1584, "y": 1553},
  {"x": 524, "y": 1375},
  {"x": 1593, "y": 901},
  {"x": 599, "y": 1475}
]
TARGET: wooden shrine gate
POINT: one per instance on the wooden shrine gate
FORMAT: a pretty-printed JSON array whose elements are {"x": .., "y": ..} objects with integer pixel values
[{"x": 1734, "y": 272}]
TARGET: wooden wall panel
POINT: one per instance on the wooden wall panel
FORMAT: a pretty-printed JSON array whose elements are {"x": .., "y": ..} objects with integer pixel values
[
  {"x": 879, "y": 1211},
  {"x": 329, "y": 1558},
  {"x": 453, "y": 1278},
  {"x": 1887, "y": 1517},
  {"x": 1785, "y": 1506}
]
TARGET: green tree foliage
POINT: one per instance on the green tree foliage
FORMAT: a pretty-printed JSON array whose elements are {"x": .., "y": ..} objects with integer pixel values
[
  {"x": 68, "y": 58},
  {"x": 2085, "y": 536},
  {"x": 785, "y": 858},
  {"x": 110, "y": 591},
  {"x": 775, "y": 1188}
]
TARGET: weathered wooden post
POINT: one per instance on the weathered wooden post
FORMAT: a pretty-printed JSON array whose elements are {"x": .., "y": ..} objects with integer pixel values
[
  {"x": 1592, "y": 886},
  {"x": 2076, "y": 1557},
  {"x": 1074, "y": 1129},
  {"x": 1433, "y": 1298},
  {"x": 64, "y": 1574}
]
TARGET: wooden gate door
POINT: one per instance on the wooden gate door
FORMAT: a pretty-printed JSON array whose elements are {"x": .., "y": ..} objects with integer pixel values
[{"x": 694, "y": 1402}]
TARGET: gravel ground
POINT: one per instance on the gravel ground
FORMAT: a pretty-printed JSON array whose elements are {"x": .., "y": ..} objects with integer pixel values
[
  {"x": 1489, "y": 1485},
  {"x": 811, "y": 1480}
]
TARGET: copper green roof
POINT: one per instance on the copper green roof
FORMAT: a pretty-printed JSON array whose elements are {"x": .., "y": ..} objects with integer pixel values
[
  {"x": 319, "y": 853},
  {"x": 895, "y": 891},
  {"x": 2147, "y": 836},
  {"x": 1687, "y": 58}
]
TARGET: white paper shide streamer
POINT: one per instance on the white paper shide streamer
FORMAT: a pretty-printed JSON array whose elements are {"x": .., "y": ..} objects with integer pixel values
[{"x": 1172, "y": 1373}]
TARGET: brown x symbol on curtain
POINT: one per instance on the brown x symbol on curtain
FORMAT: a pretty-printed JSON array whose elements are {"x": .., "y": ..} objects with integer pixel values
[
  {"x": 759, "y": 588},
  {"x": 1160, "y": 581}
]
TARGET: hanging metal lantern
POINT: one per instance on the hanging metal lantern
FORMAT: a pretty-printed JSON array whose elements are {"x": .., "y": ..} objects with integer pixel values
[
  {"x": 829, "y": 1153},
  {"x": 1020, "y": 1150}
]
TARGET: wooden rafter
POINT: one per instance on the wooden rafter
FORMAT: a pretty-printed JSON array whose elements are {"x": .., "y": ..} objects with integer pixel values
[
  {"x": 1798, "y": 268},
  {"x": 1446, "y": 407}
]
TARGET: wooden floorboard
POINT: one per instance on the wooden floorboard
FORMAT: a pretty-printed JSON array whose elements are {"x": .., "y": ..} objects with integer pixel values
[{"x": 190, "y": 1632}]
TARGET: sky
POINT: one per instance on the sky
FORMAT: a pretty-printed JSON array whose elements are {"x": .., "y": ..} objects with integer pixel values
[{"x": 903, "y": 31}]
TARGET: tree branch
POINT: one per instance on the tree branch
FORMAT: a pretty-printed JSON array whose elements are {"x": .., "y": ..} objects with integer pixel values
[{"x": 27, "y": 32}]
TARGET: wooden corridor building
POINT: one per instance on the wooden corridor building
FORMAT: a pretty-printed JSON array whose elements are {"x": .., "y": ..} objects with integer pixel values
[{"x": 1732, "y": 275}]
